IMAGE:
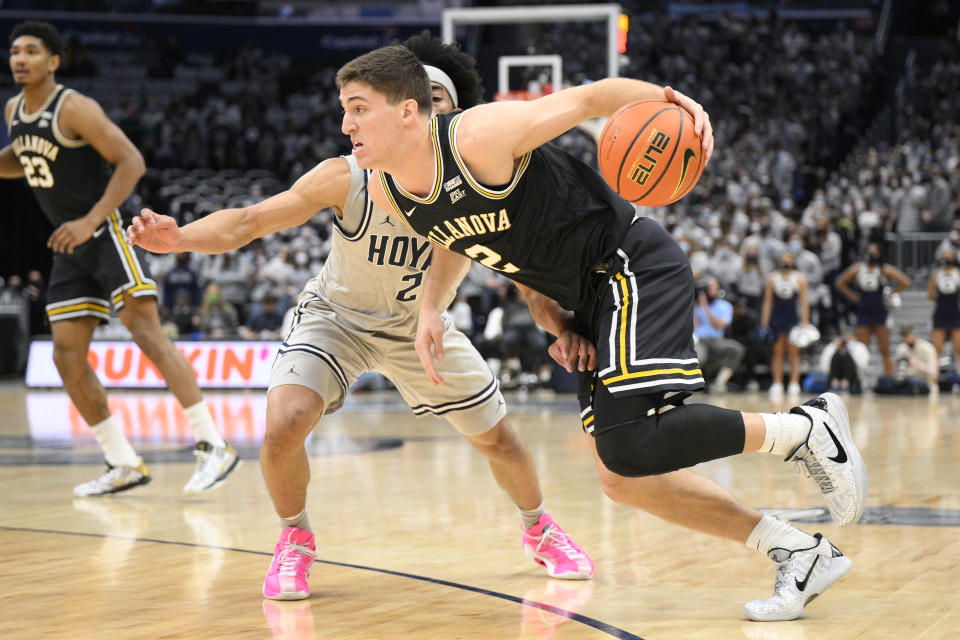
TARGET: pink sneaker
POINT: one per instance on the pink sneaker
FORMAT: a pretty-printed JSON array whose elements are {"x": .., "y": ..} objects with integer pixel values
[
  {"x": 550, "y": 546},
  {"x": 289, "y": 573}
]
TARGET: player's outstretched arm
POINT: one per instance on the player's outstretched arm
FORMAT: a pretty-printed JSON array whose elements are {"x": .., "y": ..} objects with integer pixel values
[
  {"x": 443, "y": 275},
  {"x": 325, "y": 185},
  {"x": 513, "y": 128}
]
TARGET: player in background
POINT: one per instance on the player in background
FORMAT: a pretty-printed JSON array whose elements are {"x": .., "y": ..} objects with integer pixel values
[
  {"x": 485, "y": 185},
  {"x": 360, "y": 314},
  {"x": 81, "y": 167}
]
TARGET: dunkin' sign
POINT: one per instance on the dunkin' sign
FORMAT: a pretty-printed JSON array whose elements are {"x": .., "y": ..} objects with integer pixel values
[{"x": 217, "y": 365}]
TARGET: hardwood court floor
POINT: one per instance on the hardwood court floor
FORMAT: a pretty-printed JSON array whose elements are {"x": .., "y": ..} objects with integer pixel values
[{"x": 415, "y": 540}]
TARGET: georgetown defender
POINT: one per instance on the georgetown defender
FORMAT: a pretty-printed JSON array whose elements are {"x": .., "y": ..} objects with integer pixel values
[{"x": 360, "y": 314}]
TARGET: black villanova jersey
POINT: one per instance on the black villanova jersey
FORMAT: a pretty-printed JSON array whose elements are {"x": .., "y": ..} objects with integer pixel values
[
  {"x": 547, "y": 229},
  {"x": 67, "y": 176}
]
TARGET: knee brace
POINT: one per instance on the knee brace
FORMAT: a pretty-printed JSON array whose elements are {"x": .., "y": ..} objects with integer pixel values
[{"x": 644, "y": 436}]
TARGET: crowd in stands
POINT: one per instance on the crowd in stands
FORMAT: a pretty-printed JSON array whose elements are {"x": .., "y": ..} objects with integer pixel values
[{"x": 787, "y": 105}]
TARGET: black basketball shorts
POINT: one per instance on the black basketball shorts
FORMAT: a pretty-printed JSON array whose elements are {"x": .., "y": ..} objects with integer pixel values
[
  {"x": 86, "y": 282},
  {"x": 642, "y": 321}
]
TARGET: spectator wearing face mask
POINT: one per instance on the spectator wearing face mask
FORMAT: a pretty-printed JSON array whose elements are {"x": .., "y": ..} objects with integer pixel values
[
  {"x": 217, "y": 317},
  {"x": 769, "y": 247},
  {"x": 719, "y": 356},
  {"x": 870, "y": 278},
  {"x": 809, "y": 265},
  {"x": 944, "y": 290},
  {"x": 952, "y": 241},
  {"x": 784, "y": 307},
  {"x": 751, "y": 280},
  {"x": 725, "y": 263}
]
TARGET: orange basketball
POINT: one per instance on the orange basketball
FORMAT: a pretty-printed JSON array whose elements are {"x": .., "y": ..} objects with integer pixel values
[{"x": 649, "y": 154}]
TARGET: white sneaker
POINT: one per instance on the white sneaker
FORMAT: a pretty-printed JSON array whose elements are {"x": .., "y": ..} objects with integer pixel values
[
  {"x": 213, "y": 466},
  {"x": 802, "y": 575},
  {"x": 776, "y": 389},
  {"x": 793, "y": 389},
  {"x": 832, "y": 459},
  {"x": 114, "y": 480}
]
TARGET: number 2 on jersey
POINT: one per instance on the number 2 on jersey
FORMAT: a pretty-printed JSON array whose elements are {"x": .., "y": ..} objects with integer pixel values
[
  {"x": 37, "y": 172},
  {"x": 490, "y": 259},
  {"x": 405, "y": 295}
]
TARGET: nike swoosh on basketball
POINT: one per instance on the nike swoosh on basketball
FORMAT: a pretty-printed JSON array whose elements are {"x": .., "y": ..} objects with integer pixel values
[
  {"x": 803, "y": 585},
  {"x": 688, "y": 154},
  {"x": 410, "y": 213},
  {"x": 841, "y": 456}
]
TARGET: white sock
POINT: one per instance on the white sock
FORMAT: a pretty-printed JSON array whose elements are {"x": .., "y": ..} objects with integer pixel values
[
  {"x": 784, "y": 432},
  {"x": 202, "y": 424},
  {"x": 530, "y": 517},
  {"x": 300, "y": 521},
  {"x": 770, "y": 534},
  {"x": 116, "y": 447}
]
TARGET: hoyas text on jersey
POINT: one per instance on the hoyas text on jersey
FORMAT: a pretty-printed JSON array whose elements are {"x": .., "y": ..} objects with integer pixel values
[{"x": 399, "y": 251}]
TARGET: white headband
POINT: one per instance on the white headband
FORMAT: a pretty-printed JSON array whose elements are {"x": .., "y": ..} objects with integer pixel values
[{"x": 441, "y": 78}]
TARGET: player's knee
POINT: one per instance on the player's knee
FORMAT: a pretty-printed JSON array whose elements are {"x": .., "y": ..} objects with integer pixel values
[
  {"x": 675, "y": 439},
  {"x": 615, "y": 486},
  {"x": 500, "y": 443},
  {"x": 146, "y": 334},
  {"x": 70, "y": 361},
  {"x": 288, "y": 425},
  {"x": 631, "y": 450}
]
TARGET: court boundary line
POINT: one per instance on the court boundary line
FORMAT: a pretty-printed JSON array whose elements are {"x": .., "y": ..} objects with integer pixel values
[{"x": 603, "y": 627}]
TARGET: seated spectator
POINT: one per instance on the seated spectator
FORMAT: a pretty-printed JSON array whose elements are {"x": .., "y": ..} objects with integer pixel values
[
  {"x": 719, "y": 356},
  {"x": 462, "y": 315},
  {"x": 845, "y": 362},
  {"x": 180, "y": 319},
  {"x": 916, "y": 360},
  {"x": 182, "y": 277},
  {"x": 265, "y": 324},
  {"x": 217, "y": 317},
  {"x": 512, "y": 337}
]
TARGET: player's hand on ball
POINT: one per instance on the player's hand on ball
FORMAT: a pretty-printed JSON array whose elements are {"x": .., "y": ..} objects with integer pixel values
[
  {"x": 154, "y": 232},
  {"x": 429, "y": 342},
  {"x": 701, "y": 120}
]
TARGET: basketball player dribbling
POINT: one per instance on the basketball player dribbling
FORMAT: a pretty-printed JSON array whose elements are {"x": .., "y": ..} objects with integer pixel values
[
  {"x": 64, "y": 144},
  {"x": 484, "y": 184},
  {"x": 360, "y": 314}
]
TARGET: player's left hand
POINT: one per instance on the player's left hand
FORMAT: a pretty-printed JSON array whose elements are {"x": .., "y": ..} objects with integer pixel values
[
  {"x": 701, "y": 121},
  {"x": 571, "y": 350},
  {"x": 429, "y": 342},
  {"x": 71, "y": 235}
]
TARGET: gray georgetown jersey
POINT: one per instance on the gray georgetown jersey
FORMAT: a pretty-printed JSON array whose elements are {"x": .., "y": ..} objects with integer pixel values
[{"x": 373, "y": 277}]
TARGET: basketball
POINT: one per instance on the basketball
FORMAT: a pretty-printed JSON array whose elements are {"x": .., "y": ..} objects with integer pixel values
[{"x": 649, "y": 154}]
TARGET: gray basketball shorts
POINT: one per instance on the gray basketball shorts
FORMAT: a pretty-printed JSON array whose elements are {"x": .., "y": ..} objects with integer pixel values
[{"x": 327, "y": 351}]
